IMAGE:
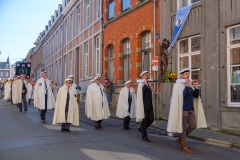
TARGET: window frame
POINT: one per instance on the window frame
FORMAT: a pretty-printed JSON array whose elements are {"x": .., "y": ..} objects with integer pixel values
[
  {"x": 189, "y": 55},
  {"x": 127, "y": 57},
  {"x": 188, "y": 3},
  {"x": 146, "y": 39},
  {"x": 87, "y": 13},
  {"x": 86, "y": 51},
  {"x": 229, "y": 66},
  {"x": 98, "y": 54},
  {"x": 110, "y": 16},
  {"x": 124, "y": 3}
]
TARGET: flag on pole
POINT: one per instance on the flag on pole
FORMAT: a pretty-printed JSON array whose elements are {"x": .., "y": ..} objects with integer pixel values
[{"x": 181, "y": 17}]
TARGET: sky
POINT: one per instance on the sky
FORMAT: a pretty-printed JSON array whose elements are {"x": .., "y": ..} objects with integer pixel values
[{"x": 21, "y": 21}]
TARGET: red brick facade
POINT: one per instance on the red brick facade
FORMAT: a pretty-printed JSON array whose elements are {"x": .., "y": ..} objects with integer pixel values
[{"x": 130, "y": 24}]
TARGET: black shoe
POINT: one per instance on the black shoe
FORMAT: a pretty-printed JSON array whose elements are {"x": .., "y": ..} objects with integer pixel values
[
  {"x": 146, "y": 139},
  {"x": 67, "y": 130},
  {"x": 127, "y": 127},
  {"x": 140, "y": 130},
  {"x": 25, "y": 110},
  {"x": 43, "y": 121},
  {"x": 100, "y": 126}
]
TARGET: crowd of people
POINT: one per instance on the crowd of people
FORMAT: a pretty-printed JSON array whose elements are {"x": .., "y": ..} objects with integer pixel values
[{"x": 186, "y": 111}]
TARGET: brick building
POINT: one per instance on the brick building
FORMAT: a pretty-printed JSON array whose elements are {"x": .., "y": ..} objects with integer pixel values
[
  {"x": 71, "y": 42},
  {"x": 129, "y": 41}
]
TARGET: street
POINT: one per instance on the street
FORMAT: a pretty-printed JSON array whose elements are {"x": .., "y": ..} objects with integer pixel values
[{"x": 24, "y": 137}]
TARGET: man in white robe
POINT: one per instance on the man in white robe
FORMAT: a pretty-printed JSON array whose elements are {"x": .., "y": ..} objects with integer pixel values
[
  {"x": 126, "y": 107},
  {"x": 186, "y": 111},
  {"x": 7, "y": 91},
  {"x": 66, "y": 108},
  {"x": 15, "y": 91},
  {"x": 30, "y": 91},
  {"x": 144, "y": 109},
  {"x": 43, "y": 96},
  {"x": 96, "y": 105}
]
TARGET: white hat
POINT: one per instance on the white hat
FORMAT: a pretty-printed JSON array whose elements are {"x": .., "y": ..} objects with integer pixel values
[
  {"x": 68, "y": 79},
  {"x": 9, "y": 79},
  {"x": 184, "y": 70},
  {"x": 70, "y": 76},
  {"x": 94, "y": 79},
  {"x": 129, "y": 81},
  {"x": 143, "y": 72},
  {"x": 43, "y": 72}
]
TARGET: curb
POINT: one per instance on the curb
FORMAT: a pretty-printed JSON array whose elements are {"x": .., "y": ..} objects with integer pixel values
[{"x": 201, "y": 139}]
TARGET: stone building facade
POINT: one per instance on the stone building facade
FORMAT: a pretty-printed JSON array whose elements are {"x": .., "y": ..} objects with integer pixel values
[{"x": 210, "y": 46}]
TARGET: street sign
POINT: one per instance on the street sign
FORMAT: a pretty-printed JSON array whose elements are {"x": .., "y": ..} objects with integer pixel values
[
  {"x": 155, "y": 68},
  {"x": 155, "y": 61}
]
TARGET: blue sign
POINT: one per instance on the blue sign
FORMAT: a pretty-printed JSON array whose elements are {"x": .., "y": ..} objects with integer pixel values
[{"x": 181, "y": 17}]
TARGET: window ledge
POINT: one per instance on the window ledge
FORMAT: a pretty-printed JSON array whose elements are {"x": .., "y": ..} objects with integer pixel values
[{"x": 233, "y": 105}]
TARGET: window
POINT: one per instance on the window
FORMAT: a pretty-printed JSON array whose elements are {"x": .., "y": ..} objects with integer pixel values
[
  {"x": 126, "y": 60},
  {"x": 57, "y": 42},
  {"x": 126, "y": 4},
  {"x": 86, "y": 51},
  {"x": 183, "y": 3},
  {"x": 146, "y": 51},
  {"x": 78, "y": 19},
  {"x": 71, "y": 27},
  {"x": 87, "y": 13},
  {"x": 97, "y": 50},
  {"x": 189, "y": 56},
  {"x": 97, "y": 6},
  {"x": 110, "y": 63},
  {"x": 233, "y": 63},
  {"x": 111, "y": 9},
  {"x": 65, "y": 32},
  {"x": 70, "y": 65},
  {"x": 61, "y": 38}
]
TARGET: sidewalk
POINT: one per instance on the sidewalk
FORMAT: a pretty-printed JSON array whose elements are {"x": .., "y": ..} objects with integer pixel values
[{"x": 204, "y": 135}]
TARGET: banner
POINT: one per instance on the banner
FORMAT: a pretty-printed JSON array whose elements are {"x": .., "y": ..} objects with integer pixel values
[
  {"x": 23, "y": 68},
  {"x": 181, "y": 17}
]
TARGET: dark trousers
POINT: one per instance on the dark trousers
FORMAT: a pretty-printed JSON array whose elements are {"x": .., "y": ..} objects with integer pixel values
[
  {"x": 146, "y": 122},
  {"x": 24, "y": 101},
  {"x": 44, "y": 111},
  {"x": 97, "y": 124},
  {"x": 126, "y": 121},
  {"x": 29, "y": 101},
  {"x": 188, "y": 124},
  {"x": 65, "y": 126}
]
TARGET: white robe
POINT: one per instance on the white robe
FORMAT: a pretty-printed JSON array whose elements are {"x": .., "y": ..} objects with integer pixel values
[
  {"x": 39, "y": 95},
  {"x": 96, "y": 105},
  {"x": 19, "y": 87},
  {"x": 73, "y": 112},
  {"x": 7, "y": 91},
  {"x": 14, "y": 92},
  {"x": 140, "y": 115},
  {"x": 122, "y": 106},
  {"x": 30, "y": 91},
  {"x": 73, "y": 86},
  {"x": 176, "y": 110}
]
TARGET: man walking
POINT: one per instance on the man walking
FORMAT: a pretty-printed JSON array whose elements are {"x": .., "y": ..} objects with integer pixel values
[
  {"x": 144, "y": 109},
  {"x": 43, "y": 96},
  {"x": 185, "y": 107}
]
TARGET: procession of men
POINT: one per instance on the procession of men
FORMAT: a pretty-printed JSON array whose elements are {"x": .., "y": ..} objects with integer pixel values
[{"x": 186, "y": 111}]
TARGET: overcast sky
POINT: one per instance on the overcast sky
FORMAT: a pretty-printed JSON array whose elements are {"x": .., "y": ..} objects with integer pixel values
[{"x": 21, "y": 21}]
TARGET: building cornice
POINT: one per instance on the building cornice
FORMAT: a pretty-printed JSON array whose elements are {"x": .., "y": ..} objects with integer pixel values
[{"x": 68, "y": 7}]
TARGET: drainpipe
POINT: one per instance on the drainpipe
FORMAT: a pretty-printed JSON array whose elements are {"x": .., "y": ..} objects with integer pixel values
[
  {"x": 102, "y": 20},
  {"x": 62, "y": 78},
  {"x": 154, "y": 51}
]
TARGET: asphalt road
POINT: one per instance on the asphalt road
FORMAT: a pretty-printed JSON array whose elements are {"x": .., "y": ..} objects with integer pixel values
[{"x": 24, "y": 137}]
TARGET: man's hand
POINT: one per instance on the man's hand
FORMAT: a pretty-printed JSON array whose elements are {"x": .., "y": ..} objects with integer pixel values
[
  {"x": 195, "y": 83},
  {"x": 23, "y": 91}
]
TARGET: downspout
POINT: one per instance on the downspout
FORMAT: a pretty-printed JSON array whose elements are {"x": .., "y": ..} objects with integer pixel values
[
  {"x": 154, "y": 51},
  {"x": 102, "y": 20},
  {"x": 62, "y": 78}
]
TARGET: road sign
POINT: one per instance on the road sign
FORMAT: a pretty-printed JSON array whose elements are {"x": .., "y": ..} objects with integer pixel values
[{"x": 155, "y": 61}]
